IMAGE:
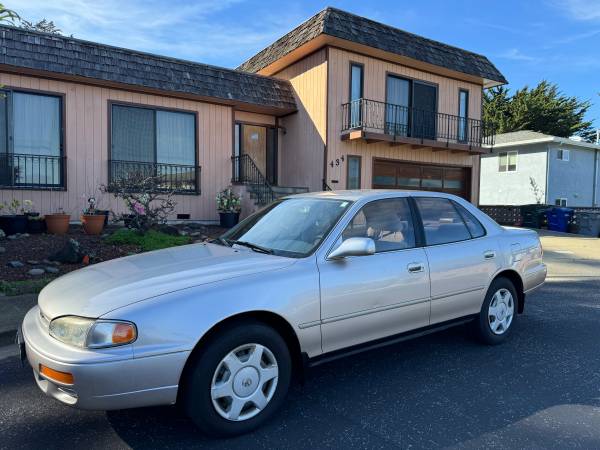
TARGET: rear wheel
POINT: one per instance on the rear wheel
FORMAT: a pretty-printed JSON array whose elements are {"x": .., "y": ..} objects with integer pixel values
[
  {"x": 239, "y": 380},
  {"x": 498, "y": 312}
]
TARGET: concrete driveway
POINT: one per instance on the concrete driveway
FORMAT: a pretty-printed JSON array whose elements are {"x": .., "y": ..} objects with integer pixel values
[{"x": 570, "y": 255}]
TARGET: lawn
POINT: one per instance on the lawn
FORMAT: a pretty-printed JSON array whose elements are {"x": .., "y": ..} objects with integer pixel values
[{"x": 151, "y": 240}]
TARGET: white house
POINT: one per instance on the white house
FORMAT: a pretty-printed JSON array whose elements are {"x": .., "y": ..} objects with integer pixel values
[{"x": 526, "y": 167}]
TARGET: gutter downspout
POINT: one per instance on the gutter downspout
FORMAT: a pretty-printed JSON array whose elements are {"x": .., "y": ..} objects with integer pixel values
[{"x": 547, "y": 174}]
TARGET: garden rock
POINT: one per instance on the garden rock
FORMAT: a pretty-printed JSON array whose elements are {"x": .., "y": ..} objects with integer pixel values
[
  {"x": 2, "y": 234},
  {"x": 51, "y": 269},
  {"x": 71, "y": 253},
  {"x": 15, "y": 264},
  {"x": 12, "y": 237},
  {"x": 169, "y": 229},
  {"x": 36, "y": 272},
  {"x": 33, "y": 262}
]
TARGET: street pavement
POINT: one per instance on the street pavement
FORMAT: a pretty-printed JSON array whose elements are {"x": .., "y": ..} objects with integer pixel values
[{"x": 541, "y": 389}]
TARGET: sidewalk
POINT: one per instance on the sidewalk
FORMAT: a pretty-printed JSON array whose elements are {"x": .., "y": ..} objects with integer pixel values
[{"x": 12, "y": 311}]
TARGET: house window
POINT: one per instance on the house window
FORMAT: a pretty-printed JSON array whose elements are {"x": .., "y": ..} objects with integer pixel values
[
  {"x": 563, "y": 155},
  {"x": 560, "y": 202},
  {"x": 154, "y": 142},
  {"x": 463, "y": 114},
  {"x": 507, "y": 161},
  {"x": 31, "y": 137},
  {"x": 353, "y": 175},
  {"x": 356, "y": 94}
]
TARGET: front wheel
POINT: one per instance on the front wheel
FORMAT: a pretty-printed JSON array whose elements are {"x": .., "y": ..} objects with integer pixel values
[
  {"x": 498, "y": 312},
  {"x": 239, "y": 380}
]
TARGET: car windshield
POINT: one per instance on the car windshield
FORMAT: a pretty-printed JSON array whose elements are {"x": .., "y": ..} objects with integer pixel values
[{"x": 292, "y": 227}]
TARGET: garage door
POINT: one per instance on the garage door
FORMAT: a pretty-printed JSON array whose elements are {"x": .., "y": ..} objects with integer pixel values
[{"x": 427, "y": 177}]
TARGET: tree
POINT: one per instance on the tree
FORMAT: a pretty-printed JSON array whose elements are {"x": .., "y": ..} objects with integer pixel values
[
  {"x": 7, "y": 15},
  {"x": 544, "y": 109},
  {"x": 45, "y": 26}
]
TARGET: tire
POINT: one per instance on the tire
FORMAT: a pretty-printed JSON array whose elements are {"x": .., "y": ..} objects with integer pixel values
[
  {"x": 493, "y": 329},
  {"x": 225, "y": 381}
]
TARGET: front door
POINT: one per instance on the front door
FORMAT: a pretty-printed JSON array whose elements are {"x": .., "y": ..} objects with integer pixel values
[
  {"x": 260, "y": 144},
  {"x": 369, "y": 297},
  {"x": 424, "y": 110}
]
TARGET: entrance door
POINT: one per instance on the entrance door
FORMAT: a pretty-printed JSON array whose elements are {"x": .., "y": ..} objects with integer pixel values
[
  {"x": 260, "y": 144},
  {"x": 424, "y": 110},
  {"x": 426, "y": 177}
]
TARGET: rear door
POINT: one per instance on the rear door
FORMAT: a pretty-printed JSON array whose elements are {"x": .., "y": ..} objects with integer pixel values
[
  {"x": 369, "y": 297},
  {"x": 462, "y": 259}
]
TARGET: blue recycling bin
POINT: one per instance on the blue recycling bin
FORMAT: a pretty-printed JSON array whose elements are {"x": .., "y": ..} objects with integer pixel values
[{"x": 559, "y": 218}]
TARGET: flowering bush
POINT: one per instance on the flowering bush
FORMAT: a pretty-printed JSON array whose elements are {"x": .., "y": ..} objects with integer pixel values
[
  {"x": 228, "y": 201},
  {"x": 147, "y": 202}
]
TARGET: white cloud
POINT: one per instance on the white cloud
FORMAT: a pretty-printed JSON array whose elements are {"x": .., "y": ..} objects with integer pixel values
[
  {"x": 515, "y": 54},
  {"x": 584, "y": 10},
  {"x": 182, "y": 29}
]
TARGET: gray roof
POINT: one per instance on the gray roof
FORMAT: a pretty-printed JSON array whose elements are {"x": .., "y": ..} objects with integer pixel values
[
  {"x": 74, "y": 57},
  {"x": 344, "y": 25},
  {"x": 527, "y": 137}
]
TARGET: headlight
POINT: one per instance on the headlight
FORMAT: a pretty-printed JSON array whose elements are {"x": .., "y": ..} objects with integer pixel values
[{"x": 90, "y": 333}]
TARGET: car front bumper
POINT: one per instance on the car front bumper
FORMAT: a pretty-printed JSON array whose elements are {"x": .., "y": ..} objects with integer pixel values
[{"x": 104, "y": 379}]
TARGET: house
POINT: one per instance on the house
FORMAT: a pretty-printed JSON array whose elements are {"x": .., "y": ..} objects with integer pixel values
[
  {"x": 339, "y": 102},
  {"x": 565, "y": 171}
]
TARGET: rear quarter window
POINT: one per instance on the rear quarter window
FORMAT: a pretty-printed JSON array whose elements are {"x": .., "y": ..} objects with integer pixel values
[{"x": 442, "y": 223}]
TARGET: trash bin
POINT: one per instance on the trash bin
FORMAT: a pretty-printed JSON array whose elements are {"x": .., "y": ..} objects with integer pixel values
[
  {"x": 559, "y": 218},
  {"x": 533, "y": 215},
  {"x": 589, "y": 223}
]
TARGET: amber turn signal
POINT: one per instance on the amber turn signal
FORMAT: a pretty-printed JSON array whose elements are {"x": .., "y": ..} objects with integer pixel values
[
  {"x": 55, "y": 375},
  {"x": 123, "y": 333}
]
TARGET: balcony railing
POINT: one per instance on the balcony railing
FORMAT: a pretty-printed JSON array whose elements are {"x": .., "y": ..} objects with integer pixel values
[
  {"x": 22, "y": 171},
  {"x": 178, "y": 178},
  {"x": 402, "y": 121}
]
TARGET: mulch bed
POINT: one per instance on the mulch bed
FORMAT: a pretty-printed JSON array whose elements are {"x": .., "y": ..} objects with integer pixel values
[{"x": 38, "y": 247}]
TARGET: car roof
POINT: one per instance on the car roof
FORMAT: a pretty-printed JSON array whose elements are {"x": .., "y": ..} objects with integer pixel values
[{"x": 370, "y": 194}]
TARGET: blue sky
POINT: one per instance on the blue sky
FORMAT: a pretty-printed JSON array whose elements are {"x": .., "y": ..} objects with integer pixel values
[{"x": 557, "y": 40}]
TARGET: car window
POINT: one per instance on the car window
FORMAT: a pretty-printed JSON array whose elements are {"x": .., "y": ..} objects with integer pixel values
[
  {"x": 388, "y": 222},
  {"x": 441, "y": 222},
  {"x": 474, "y": 226}
]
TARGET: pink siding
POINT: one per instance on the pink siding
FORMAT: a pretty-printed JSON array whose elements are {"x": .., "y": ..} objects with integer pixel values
[{"x": 86, "y": 147}]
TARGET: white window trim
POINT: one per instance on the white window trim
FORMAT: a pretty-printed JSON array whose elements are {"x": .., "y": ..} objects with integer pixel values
[
  {"x": 508, "y": 153},
  {"x": 560, "y": 202}
]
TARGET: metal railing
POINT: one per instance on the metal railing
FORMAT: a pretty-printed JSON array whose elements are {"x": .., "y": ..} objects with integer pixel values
[
  {"x": 22, "y": 171},
  {"x": 178, "y": 178},
  {"x": 244, "y": 170},
  {"x": 404, "y": 121}
]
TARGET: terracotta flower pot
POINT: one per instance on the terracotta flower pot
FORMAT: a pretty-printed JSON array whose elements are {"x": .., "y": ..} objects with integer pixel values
[
  {"x": 57, "y": 223},
  {"x": 93, "y": 224}
]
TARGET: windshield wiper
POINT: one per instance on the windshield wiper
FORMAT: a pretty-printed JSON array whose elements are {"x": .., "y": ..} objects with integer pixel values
[{"x": 250, "y": 245}]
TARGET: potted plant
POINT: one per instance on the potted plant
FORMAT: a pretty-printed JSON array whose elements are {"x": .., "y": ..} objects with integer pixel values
[
  {"x": 57, "y": 223},
  {"x": 92, "y": 219},
  {"x": 35, "y": 222},
  {"x": 229, "y": 205},
  {"x": 13, "y": 222}
]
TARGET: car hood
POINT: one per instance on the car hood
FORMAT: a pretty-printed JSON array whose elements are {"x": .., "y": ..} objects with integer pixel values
[{"x": 100, "y": 288}]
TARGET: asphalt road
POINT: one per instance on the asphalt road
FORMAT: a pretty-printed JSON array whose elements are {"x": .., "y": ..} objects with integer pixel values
[{"x": 541, "y": 389}]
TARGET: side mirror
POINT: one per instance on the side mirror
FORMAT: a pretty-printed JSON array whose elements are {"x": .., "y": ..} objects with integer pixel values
[{"x": 356, "y": 246}]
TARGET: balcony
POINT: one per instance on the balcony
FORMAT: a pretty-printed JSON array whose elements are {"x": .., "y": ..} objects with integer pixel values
[
  {"x": 23, "y": 171},
  {"x": 375, "y": 121},
  {"x": 176, "y": 178}
]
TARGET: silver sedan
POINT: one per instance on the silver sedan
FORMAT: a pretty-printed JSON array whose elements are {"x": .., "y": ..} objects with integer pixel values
[{"x": 223, "y": 327}]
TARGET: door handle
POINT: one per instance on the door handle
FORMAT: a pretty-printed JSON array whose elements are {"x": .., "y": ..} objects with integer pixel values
[
  {"x": 489, "y": 254},
  {"x": 415, "y": 267}
]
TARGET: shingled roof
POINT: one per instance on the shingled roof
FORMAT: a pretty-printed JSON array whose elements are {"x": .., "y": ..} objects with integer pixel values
[
  {"x": 350, "y": 27},
  {"x": 77, "y": 58}
]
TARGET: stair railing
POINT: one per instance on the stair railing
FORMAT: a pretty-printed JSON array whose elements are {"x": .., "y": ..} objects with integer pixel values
[{"x": 245, "y": 171}]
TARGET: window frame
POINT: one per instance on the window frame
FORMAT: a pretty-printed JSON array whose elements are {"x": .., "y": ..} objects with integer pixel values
[
  {"x": 560, "y": 202},
  {"x": 361, "y": 66},
  {"x": 508, "y": 153},
  {"x": 453, "y": 203},
  {"x": 112, "y": 103},
  {"x": 61, "y": 96},
  {"x": 466, "y": 117},
  {"x": 359, "y": 158},
  {"x": 561, "y": 152},
  {"x": 414, "y": 217}
]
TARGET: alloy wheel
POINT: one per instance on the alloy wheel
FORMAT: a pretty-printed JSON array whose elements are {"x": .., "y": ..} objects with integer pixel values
[
  {"x": 501, "y": 311},
  {"x": 244, "y": 382}
]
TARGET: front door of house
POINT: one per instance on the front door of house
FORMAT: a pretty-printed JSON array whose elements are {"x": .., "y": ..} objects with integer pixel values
[{"x": 258, "y": 143}]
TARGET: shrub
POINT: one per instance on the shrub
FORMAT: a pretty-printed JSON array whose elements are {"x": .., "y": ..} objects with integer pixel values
[
  {"x": 228, "y": 201},
  {"x": 151, "y": 240}
]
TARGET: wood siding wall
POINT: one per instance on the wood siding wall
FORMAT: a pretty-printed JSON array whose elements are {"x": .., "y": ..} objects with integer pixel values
[
  {"x": 303, "y": 143},
  {"x": 86, "y": 147},
  {"x": 374, "y": 88}
]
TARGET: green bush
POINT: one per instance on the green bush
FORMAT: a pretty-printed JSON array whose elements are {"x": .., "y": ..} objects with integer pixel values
[
  {"x": 151, "y": 240},
  {"x": 23, "y": 286}
]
